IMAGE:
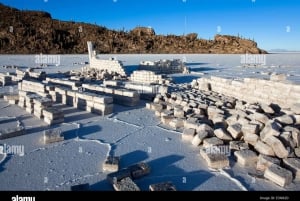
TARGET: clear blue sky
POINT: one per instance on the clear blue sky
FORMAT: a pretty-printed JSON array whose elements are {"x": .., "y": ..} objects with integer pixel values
[{"x": 272, "y": 23}]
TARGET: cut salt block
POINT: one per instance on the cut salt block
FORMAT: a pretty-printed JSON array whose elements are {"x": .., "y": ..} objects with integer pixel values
[
  {"x": 205, "y": 127},
  {"x": 251, "y": 138},
  {"x": 279, "y": 175},
  {"x": 235, "y": 130},
  {"x": 267, "y": 109},
  {"x": 287, "y": 139},
  {"x": 222, "y": 134},
  {"x": 214, "y": 141},
  {"x": 259, "y": 117},
  {"x": 215, "y": 160},
  {"x": 188, "y": 134},
  {"x": 285, "y": 120},
  {"x": 111, "y": 164},
  {"x": 266, "y": 161},
  {"x": 246, "y": 157},
  {"x": 53, "y": 121},
  {"x": 238, "y": 145},
  {"x": 272, "y": 128},
  {"x": 139, "y": 170},
  {"x": 176, "y": 123},
  {"x": 264, "y": 148},
  {"x": 118, "y": 176},
  {"x": 164, "y": 186},
  {"x": 52, "y": 136},
  {"x": 126, "y": 184},
  {"x": 53, "y": 113},
  {"x": 277, "y": 146},
  {"x": 293, "y": 164},
  {"x": 199, "y": 137}
]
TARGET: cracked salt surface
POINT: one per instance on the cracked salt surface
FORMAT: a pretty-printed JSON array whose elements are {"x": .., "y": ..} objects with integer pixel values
[{"x": 134, "y": 133}]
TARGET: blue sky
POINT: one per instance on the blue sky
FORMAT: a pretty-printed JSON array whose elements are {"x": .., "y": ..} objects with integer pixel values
[{"x": 272, "y": 23}]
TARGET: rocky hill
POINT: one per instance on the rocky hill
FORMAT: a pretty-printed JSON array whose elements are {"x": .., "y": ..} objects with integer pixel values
[{"x": 32, "y": 32}]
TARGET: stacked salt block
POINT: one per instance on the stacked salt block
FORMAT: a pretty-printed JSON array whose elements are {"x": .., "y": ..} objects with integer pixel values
[
  {"x": 12, "y": 132},
  {"x": 274, "y": 91},
  {"x": 146, "y": 88},
  {"x": 120, "y": 96},
  {"x": 67, "y": 83},
  {"x": 89, "y": 74},
  {"x": 29, "y": 102},
  {"x": 102, "y": 105},
  {"x": 114, "y": 83},
  {"x": 32, "y": 86},
  {"x": 41, "y": 103},
  {"x": 60, "y": 94},
  {"x": 53, "y": 115},
  {"x": 21, "y": 75},
  {"x": 258, "y": 134},
  {"x": 52, "y": 136},
  {"x": 108, "y": 65},
  {"x": 146, "y": 77},
  {"x": 22, "y": 101},
  {"x": 38, "y": 75},
  {"x": 164, "y": 66},
  {"x": 91, "y": 102},
  {"x": 12, "y": 99},
  {"x": 5, "y": 79}
]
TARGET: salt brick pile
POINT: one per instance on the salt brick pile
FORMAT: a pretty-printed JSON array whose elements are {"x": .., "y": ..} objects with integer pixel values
[
  {"x": 21, "y": 75},
  {"x": 68, "y": 83},
  {"x": 120, "y": 95},
  {"x": 90, "y": 102},
  {"x": 252, "y": 90},
  {"x": 41, "y": 107},
  {"x": 146, "y": 77},
  {"x": 260, "y": 134},
  {"x": 37, "y": 98},
  {"x": 164, "y": 66},
  {"x": 88, "y": 73},
  {"x": 111, "y": 66},
  {"x": 5, "y": 79}
]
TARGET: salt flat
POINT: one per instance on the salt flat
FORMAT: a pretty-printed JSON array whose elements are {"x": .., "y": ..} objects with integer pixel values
[{"x": 133, "y": 133}]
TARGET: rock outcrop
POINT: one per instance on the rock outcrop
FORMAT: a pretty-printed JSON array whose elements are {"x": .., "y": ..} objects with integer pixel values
[{"x": 34, "y": 32}]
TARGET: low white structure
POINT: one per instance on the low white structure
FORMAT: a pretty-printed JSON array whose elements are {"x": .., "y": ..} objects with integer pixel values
[
  {"x": 110, "y": 65},
  {"x": 164, "y": 66}
]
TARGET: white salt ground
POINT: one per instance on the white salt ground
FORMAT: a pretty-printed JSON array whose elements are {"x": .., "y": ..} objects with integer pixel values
[{"x": 134, "y": 134}]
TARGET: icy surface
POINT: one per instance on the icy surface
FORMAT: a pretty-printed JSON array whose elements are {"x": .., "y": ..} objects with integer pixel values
[{"x": 133, "y": 133}]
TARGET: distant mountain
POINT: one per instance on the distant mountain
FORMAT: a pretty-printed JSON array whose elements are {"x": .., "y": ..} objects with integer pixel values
[
  {"x": 33, "y": 32},
  {"x": 282, "y": 50}
]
